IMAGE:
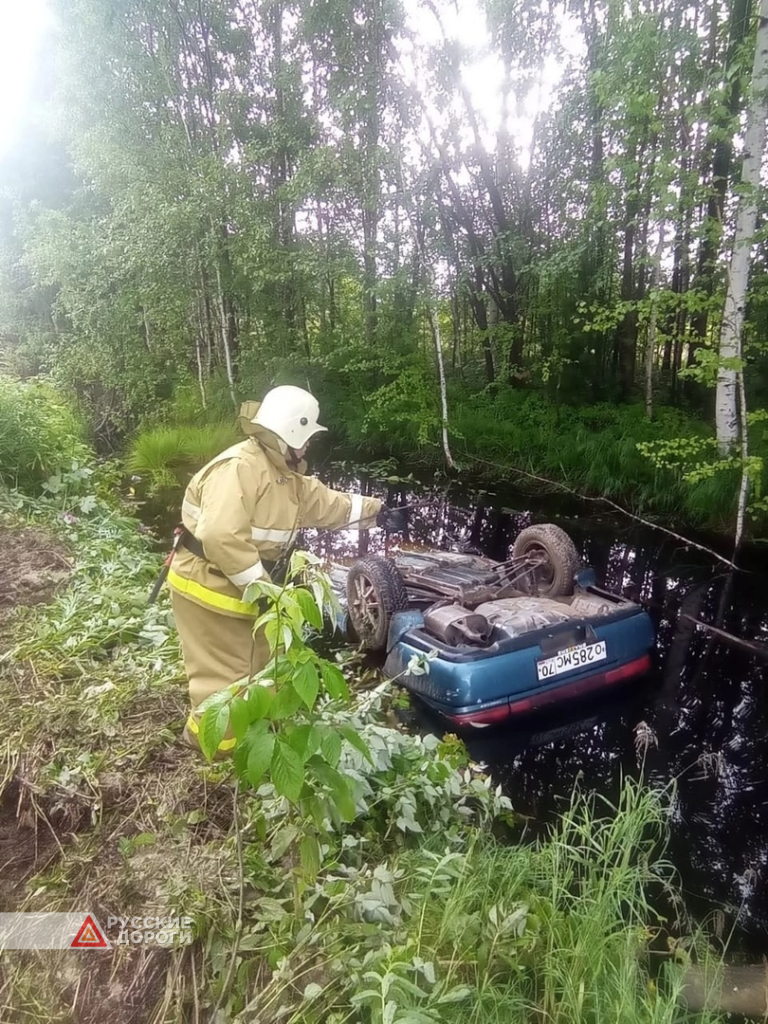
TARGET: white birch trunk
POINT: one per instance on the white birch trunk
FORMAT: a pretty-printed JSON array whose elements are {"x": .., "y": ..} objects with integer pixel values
[
  {"x": 435, "y": 331},
  {"x": 435, "y": 325},
  {"x": 727, "y": 395},
  {"x": 741, "y": 509},
  {"x": 200, "y": 378}
]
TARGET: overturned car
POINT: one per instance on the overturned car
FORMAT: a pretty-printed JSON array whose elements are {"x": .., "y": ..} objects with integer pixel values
[{"x": 500, "y": 638}]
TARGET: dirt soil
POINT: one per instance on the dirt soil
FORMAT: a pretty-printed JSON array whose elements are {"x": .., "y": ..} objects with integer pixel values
[
  {"x": 155, "y": 782},
  {"x": 33, "y": 565}
]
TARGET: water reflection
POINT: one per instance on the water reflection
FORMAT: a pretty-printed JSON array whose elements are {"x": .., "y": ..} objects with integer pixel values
[{"x": 705, "y": 705}]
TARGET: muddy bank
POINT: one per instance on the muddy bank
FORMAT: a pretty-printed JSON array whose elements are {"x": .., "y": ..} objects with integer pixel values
[{"x": 34, "y": 564}]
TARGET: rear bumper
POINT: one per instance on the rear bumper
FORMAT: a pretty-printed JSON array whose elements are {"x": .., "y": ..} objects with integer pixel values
[
  {"x": 479, "y": 691},
  {"x": 483, "y": 716}
]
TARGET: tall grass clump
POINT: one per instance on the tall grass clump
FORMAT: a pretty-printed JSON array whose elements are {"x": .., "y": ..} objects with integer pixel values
[
  {"x": 166, "y": 456},
  {"x": 464, "y": 929},
  {"x": 40, "y": 434},
  {"x": 593, "y": 449},
  {"x": 560, "y": 931}
]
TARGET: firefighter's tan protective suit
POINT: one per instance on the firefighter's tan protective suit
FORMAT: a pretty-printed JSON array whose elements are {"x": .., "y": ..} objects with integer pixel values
[{"x": 245, "y": 507}]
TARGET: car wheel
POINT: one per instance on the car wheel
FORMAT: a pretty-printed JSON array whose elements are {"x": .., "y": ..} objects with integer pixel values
[
  {"x": 554, "y": 560},
  {"x": 375, "y": 591}
]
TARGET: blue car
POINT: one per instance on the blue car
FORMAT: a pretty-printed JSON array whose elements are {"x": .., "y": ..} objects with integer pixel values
[{"x": 481, "y": 642}]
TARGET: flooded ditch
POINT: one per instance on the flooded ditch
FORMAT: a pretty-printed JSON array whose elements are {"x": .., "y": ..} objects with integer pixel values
[{"x": 698, "y": 722}]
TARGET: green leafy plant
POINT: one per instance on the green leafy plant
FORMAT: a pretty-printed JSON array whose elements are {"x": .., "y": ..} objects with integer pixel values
[{"x": 41, "y": 437}]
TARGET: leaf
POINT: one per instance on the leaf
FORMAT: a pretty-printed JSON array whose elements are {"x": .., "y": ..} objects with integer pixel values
[
  {"x": 287, "y": 771},
  {"x": 306, "y": 683},
  {"x": 239, "y": 717},
  {"x": 305, "y": 740},
  {"x": 260, "y": 699},
  {"x": 144, "y": 839},
  {"x": 389, "y": 1012},
  {"x": 273, "y": 633},
  {"x": 213, "y": 725},
  {"x": 286, "y": 702},
  {"x": 288, "y": 637},
  {"x": 283, "y": 839},
  {"x": 355, "y": 740},
  {"x": 334, "y": 681},
  {"x": 309, "y": 853},
  {"x": 269, "y": 909},
  {"x": 455, "y": 995},
  {"x": 309, "y": 609},
  {"x": 338, "y": 785},
  {"x": 330, "y": 744},
  {"x": 259, "y": 756}
]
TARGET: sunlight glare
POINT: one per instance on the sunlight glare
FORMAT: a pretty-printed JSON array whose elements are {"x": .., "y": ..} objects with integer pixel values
[{"x": 21, "y": 30}]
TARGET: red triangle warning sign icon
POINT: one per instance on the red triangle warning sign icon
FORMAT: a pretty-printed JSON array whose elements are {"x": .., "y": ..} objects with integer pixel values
[{"x": 89, "y": 936}]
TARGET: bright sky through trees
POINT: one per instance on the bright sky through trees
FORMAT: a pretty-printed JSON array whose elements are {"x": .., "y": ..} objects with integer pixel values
[{"x": 21, "y": 29}]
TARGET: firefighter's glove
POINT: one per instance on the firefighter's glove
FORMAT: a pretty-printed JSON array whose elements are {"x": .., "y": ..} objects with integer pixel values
[{"x": 393, "y": 520}]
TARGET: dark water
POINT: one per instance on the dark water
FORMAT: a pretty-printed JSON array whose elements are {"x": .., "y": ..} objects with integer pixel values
[{"x": 700, "y": 718}]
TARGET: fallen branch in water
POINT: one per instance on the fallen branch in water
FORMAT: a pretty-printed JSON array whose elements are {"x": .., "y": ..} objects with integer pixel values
[
  {"x": 754, "y": 647},
  {"x": 607, "y": 501}
]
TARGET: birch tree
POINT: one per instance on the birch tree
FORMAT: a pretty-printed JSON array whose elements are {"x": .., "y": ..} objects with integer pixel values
[{"x": 727, "y": 413}]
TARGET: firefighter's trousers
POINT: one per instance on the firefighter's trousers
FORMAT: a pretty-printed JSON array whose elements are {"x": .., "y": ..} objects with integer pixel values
[{"x": 218, "y": 650}]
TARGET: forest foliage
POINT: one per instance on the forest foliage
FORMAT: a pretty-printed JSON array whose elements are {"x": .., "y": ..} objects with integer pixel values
[{"x": 212, "y": 197}]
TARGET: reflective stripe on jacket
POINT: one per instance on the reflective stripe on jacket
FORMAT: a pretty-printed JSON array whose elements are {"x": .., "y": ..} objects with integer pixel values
[{"x": 245, "y": 506}]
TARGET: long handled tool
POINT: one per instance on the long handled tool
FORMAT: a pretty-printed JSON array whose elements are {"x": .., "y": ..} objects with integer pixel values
[{"x": 178, "y": 533}]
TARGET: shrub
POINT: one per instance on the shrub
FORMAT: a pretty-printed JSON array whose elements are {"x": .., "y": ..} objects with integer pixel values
[
  {"x": 166, "y": 454},
  {"x": 40, "y": 434}
]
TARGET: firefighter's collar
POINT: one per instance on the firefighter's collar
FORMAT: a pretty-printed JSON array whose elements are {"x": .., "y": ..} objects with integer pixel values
[{"x": 271, "y": 446}]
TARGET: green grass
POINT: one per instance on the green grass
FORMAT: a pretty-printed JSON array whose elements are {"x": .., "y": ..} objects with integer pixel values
[
  {"x": 39, "y": 434},
  {"x": 559, "y": 931},
  {"x": 480, "y": 932},
  {"x": 167, "y": 456},
  {"x": 591, "y": 449}
]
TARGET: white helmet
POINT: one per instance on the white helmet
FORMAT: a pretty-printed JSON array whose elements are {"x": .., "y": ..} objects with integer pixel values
[{"x": 291, "y": 413}]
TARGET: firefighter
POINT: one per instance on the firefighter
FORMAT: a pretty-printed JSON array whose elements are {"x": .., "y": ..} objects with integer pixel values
[{"x": 240, "y": 513}]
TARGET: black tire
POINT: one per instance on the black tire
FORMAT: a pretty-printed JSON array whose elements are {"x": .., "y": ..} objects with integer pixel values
[
  {"x": 375, "y": 591},
  {"x": 560, "y": 560}
]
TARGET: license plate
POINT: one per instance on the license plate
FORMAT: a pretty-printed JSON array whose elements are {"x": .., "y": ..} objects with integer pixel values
[{"x": 571, "y": 659}]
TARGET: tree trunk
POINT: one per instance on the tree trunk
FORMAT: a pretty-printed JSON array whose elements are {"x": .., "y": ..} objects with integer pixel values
[
  {"x": 435, "y": 325},
  {"x": 722, "y": 126},
  {"x": 371, "y": 71},
  {"x": 727, "y": 395},
  {"x": 225, "y": 337},
  {"x": 626, "y": 347},
  {"x": 651, "y": 343},
  {"x": 417, "y": 231},
  {"x": 455, "y": 324}
]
